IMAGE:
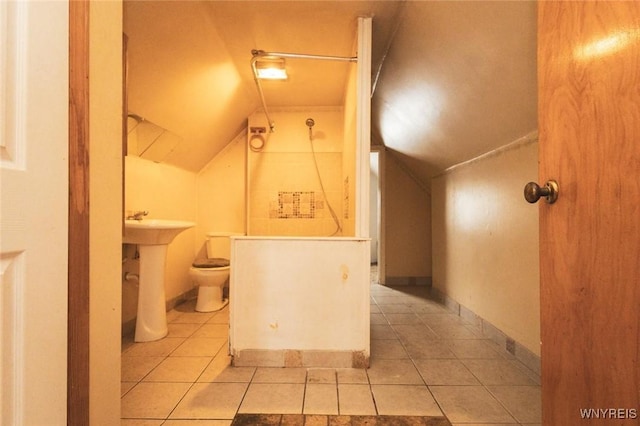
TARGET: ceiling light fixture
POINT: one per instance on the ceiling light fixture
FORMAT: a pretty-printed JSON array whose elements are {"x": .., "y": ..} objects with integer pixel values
[
  {"x": 270, "y": 65},
  {"x": 271, "y": 68}
]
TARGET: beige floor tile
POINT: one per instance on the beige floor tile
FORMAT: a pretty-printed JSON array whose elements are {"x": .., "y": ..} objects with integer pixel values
[
  {"x": 441, "y": 318},
  {"x": 200, "y": 346},
  {"x": 235, "y": 375},
  {"x": 445, "y": 372},
  {"x": 188, "y": 305},
  {"x": 410, "y": 332},
  {"x": 427, "y": 307},
  {"x": 220, "y": 317},
  {"x": 273, "y": 398},
  {"x": 126, "y": 343},
  {"x": 393, "y": 372},
  {"x": 388, "y": 298},
  {"x": 355, "y": 400},
  {"x": 397, "y": 400},
  {"x": 178, "y": 369},
  {"x": 140, "y": 422},
  {"x": 378, "y": 319},
  {"x": 469, "y": 404},
  {"x": 428, "y": 349},
  {"x": 454, "y": 331},
  {"x": 388, "y": 349},
  {"x": 474, "y": 349},
  {"x": 152, "y": 400},
  {"x": 409, "y": 318},
  {"x": 498, "y": 372},
  {"x": 280, "y": 375},
  {"x": 162, "y": 347},
  {"x": 320, "y": 399},
  {"x": 321, "y": 375},
  {"x": 126, "y": 387},
  {"x": 399, "y": 308},
  {"x": 382, "y": 331},
  {"x": 135, "y": 368},
  {"x": 192, "y": 318},
  {"x": 220, "y": 362},
  {"x": 213, "y": 330},
  {"x": 210, "y": 401},
  {"x": 182, "y": 330},
  {"x": 444, "y": 348},
  {"x": 172, "y": 315},
  {"x": 352, "y": 376},
  {"x": 523, "y": 402}
]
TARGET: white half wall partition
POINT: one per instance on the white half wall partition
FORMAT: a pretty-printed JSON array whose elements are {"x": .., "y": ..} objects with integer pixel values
[
  {"x": 363, "y": 127},
  {"x": 299, "y": 302}
]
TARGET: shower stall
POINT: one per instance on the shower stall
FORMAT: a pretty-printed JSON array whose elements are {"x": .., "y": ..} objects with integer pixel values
[
  {"x": 296, "y": 182},
  {"x": 299, "y": 286}
]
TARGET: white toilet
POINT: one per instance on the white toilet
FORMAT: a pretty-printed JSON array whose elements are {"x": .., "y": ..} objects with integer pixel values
[{"x": 211, "y": 274}]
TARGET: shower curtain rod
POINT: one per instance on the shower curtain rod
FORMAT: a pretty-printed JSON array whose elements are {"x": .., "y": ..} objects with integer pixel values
[{"x": 257, "y": 54}]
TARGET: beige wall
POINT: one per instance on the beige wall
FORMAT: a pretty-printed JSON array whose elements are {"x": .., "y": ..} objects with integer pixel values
[
  {"x": 485, "y": 240},
  {"x": 221, "y": 200},
  {"x": 105, "y": 180},
  {"x": 407, "y": 226},
  {"x": 167, "y": 192}
]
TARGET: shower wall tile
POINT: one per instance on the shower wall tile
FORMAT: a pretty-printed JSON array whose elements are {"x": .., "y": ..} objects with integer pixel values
[
  {"x": 287, "y": 165},
  {"x": 259, "y": 227}
]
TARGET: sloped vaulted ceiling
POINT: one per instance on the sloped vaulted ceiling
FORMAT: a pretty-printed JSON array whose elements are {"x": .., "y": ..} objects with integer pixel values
[
  {"x": 453, "y": 79},
  {"x": 459, "y": 80}
]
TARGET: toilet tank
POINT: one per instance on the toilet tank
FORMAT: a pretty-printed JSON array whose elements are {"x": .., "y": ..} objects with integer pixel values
[{"x": 219, "y": 244}]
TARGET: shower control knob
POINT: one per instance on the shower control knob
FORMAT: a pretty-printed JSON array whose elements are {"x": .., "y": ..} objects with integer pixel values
[{"x": 533, "y": 192}]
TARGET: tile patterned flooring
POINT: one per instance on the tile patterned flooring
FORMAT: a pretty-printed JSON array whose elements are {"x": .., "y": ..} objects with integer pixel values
[{"x": 425, "y": 361}]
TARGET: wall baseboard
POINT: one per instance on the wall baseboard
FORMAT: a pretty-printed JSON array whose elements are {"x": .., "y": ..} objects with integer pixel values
[{"x": 520, "y": 352}]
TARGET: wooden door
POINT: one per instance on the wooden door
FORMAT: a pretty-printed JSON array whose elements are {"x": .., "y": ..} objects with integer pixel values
[{"x": 589, "y": 121}]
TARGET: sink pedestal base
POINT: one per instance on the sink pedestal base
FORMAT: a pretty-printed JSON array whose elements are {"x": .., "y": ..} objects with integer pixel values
[{"x": 151, "y": 323}]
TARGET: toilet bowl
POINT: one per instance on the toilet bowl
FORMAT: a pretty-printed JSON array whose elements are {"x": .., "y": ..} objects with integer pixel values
[
  {"x": 210, "y": 281},
  {"x": 211, "y": 274}
]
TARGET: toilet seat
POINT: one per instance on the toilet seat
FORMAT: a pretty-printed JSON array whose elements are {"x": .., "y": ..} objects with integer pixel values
[{"x": 213, "y": 263}]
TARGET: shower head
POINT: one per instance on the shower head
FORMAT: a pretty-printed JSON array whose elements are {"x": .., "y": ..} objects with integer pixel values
[{"x": 310, "y": 123}]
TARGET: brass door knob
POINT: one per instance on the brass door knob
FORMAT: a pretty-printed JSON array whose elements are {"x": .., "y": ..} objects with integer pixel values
[{"x": 533, "y": 192}]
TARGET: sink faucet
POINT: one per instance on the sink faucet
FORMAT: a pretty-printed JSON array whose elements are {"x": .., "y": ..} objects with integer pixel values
[{"x": 137, "y": 215}]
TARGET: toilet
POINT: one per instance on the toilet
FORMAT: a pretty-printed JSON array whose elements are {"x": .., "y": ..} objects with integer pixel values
[{"x": 211, "y": 274}]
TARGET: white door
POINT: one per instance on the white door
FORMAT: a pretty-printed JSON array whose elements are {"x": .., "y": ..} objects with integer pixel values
[{"x": 33, "y": 212}]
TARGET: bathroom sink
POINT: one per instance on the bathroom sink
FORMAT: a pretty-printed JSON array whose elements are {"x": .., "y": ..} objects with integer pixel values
[
  {"x": 152, "y": 237},
  {"x": 153, "y": 231}
]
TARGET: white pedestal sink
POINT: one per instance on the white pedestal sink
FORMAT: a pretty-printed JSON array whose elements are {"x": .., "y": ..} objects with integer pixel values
[{"x": 152, "y": 237}]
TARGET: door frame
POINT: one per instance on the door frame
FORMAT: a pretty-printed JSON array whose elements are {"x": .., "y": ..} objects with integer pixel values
[{"x": 78, "y": 275}]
